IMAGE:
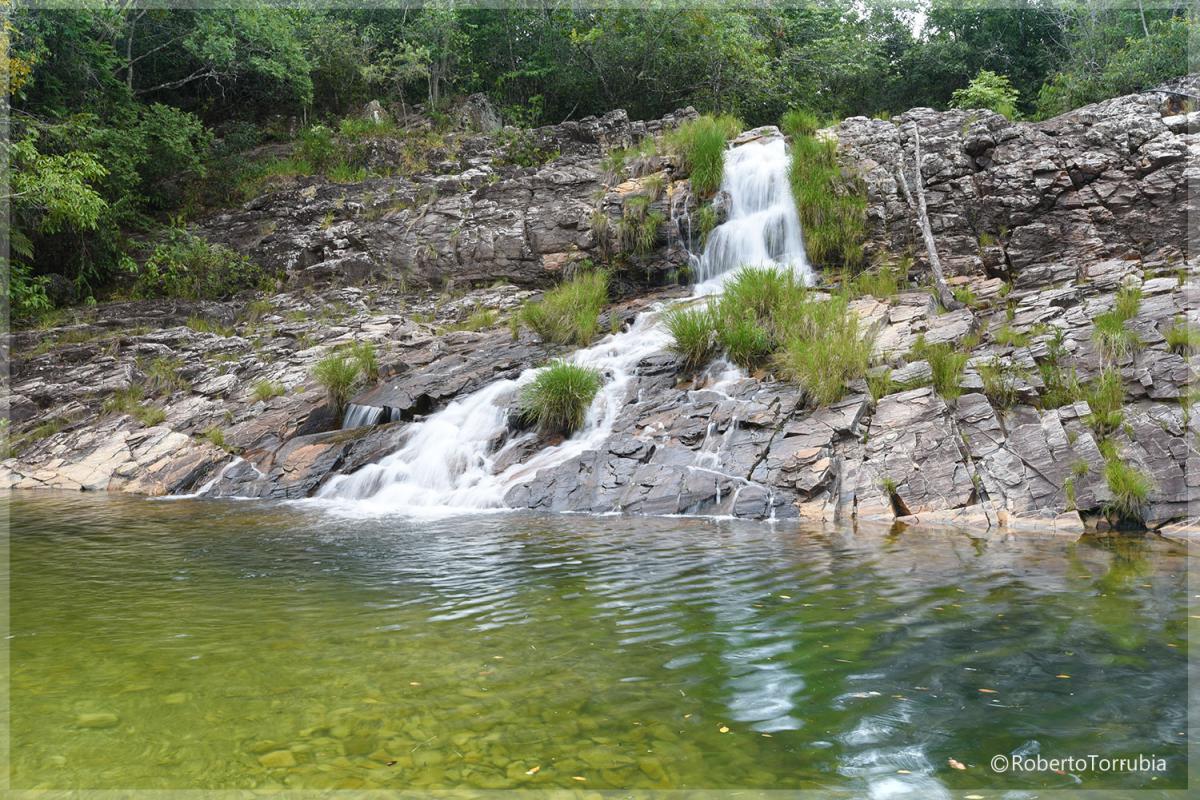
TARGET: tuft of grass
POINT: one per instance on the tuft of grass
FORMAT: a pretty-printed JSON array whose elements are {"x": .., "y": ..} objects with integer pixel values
[
  {"x": 832, "y": 205},
  {"x": 338, "y": 373},
  {"x": 163, "y": 378},
  {"x": 744, "y": 341},
  {"x": 345, "y": 173},
  {"x": 882, "y": 283},
  {"x": 1183, "y": 338},
  {"x": 129, "y": 401},
  {"x": 570, "y": 312},
  {"x": 558, "y": 398},
  {"x": 1105, "y": 395},
  {"x": 947, "y": 364},
  {"x": 966, "y": 296},
  {"x": 700, "y": 147},
  {"x": 706, "y": 221},
  {"x": 797, "y": 122},
  {"x": 881, "y": 385},
  {"x": 479, "y": 319},
  {"x": 1130, "y": 488},
  {"x": 1008, "y": 336},
  {"x": 257, "y": 309},
  {"x": 204, "y": 325},
  {"x": 265, "y": 390},
  {"x": 367, "y": 359},
  {"x": 1000, "y": 379},
  {"x": 216, "y": 437},
  {"x": 693, "y": 335},
  {"x": 1111, "y": 334}
]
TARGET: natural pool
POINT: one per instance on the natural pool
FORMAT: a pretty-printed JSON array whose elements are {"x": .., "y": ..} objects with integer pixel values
[{"x": 214, "y": 644}]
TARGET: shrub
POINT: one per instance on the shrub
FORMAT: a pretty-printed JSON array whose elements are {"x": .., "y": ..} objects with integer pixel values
[
  {"x": 570, "y": 312},
  {"x": 188, "y": 267},
  {"x": 338, "y": 373},
  {"x": 693, "y": 335},
  {"x": 1130, "y": 488},
  {"x": 700, "y": 146},
  {"x": 558, "y": 398},
  {"x": 316, "y": 146},
  {"x": 265, "y": 390},
  {"x": 832, "y": 206},
  {"x": 1183, "y": 338},
  {"x": 988, "y": 90}
]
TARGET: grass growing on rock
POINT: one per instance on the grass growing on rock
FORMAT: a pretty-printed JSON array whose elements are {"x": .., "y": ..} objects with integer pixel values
[
  {"x": 1130, "y": 488},
  {"x": 693, "y": 335},
  {"x": 570, "y": 312},
  {"x": 946, "y": 362},
  {"x": 1183, "y": 338},
  {"x": 338, "y": 374},
  {"x": 832, "y": 204},
  {"x": 766, "y": 316},
  {"x": 1112, "y": 335},
  {"x": 700, "y": 147},
  {"x": 558, "y": 398},
  {"x": 265, "y": 390},
  {"x": 1105, "y": 395}
]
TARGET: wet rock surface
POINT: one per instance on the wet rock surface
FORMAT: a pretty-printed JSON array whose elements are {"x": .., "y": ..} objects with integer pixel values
[{"x": 1075, "y": 209}]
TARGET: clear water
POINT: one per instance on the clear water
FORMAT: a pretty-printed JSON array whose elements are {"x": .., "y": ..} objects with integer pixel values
[{"x": 218, "y": 644}]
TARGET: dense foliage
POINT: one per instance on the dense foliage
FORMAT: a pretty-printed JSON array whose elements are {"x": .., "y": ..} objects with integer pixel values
[{"x": 126, "y": 118}]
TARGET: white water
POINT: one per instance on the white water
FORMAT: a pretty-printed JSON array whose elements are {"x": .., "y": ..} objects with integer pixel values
[{"x": 447, "y": 463}]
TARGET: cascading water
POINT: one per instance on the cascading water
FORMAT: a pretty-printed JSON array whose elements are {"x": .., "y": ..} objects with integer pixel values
[{"x": 447, "y": 462}]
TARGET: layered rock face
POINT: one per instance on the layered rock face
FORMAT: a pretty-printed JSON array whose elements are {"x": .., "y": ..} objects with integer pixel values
[
  {"x": 510, "y": 206},
  {"x": 1039, "y": 225}
]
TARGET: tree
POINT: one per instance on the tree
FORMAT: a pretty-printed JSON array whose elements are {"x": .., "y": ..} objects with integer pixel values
[{"x": 397, "y": 69}]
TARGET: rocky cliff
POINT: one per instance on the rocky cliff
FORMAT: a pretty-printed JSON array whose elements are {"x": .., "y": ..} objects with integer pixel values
[{"x": 1039, "y": 226}]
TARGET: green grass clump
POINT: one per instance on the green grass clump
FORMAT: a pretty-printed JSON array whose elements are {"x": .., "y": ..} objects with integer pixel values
[
  {"x": 825, "y": 361},
  {"x": 744, "y": 341},
  {"x": 1183, "y": 338},
  {"x": 693, "y": 335},
  {"x": 832, "y": 205},
  {"x": 1130, "y": 488},
  {"x": 265, "y": 390},
  {"x": 163, "y": 378},
  {"x": 797, "y": 122},
  {"x": 1111, "y": 334},
  {"x": 882, "y": 283},
  {"x": 946, "y": 362},
  {"x": 557, "y": 399},
  {"x": 479, "y": 319},
  {"x": 706, "y": 221},
  {"x": 1105, "y": 396},
  {"x": 129, "y": 401},
  {"x": 363, "y": 128},
  {"x": 204, "y": 325},
  {"x": 881, "y": 385},
  {"x": 338, "y": 373},
  {"x": 1000, "y": 380},
  {"x": 367, "y": 359},
  {"x": 346, "y": 173},
  {"x": 1008, "y": 336},
  {"x": 570, "y": 312},
  {"x": 966, "y": 296},
  {"x": 216, "y": 437},
  {"x": 700, "y": 147},
  {"x": 637, "y": 231}
]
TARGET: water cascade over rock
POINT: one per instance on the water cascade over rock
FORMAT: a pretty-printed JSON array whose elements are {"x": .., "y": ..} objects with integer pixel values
[{"x": 448, "y": 462}]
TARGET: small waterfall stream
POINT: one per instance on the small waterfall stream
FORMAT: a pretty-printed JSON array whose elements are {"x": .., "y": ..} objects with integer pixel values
[{"x": 446, "y": 464}]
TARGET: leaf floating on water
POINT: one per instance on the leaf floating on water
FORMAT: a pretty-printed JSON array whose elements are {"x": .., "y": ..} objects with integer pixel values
[
  {"x": 533, "y": 770},
  {"x": 1064, "y": 675},
  {"x": 974, "y": 797},
  {"x": 987, "y": 691},
  {"x": 786, "y": 596},
  {"x": 578, "y": 778},
  {"x": 391, "y": 763},
  {"x": 414, "y": 683},
  {"x": 724, "y": 729},
  {"x": 903, "y": 772},
  {"x": 954, "y": 764}
]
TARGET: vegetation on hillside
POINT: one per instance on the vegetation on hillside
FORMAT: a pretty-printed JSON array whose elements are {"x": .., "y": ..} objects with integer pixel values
[{"x": 129, "y": 121}]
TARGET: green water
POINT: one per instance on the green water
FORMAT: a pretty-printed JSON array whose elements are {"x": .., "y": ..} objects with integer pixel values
[{"x": 207, "y": 644}]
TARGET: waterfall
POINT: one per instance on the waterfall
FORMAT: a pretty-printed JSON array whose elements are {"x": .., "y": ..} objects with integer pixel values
[
  {"x": 763, "y": 228},
  {"x": 447, "y": 464}
]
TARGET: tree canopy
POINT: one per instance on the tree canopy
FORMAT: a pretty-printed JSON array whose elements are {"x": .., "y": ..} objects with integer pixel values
[{"x": 119, "y": 111}]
